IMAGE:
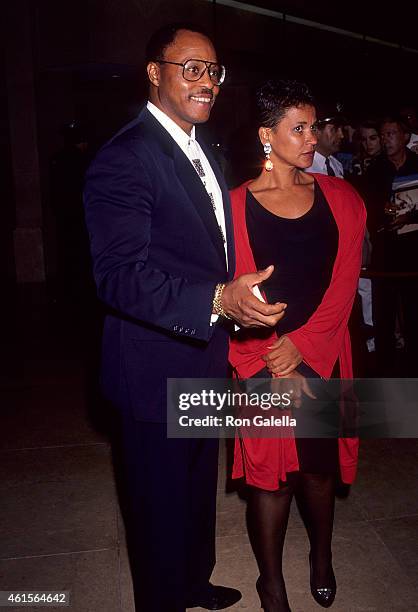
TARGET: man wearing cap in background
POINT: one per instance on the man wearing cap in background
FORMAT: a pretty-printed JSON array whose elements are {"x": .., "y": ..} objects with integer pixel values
[{"x": 330, "y": 136}]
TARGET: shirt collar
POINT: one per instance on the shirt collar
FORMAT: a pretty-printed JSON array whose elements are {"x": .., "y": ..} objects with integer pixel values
[
  {"x": 321, "y": 158},
  {"x": 175, "y": 131}
]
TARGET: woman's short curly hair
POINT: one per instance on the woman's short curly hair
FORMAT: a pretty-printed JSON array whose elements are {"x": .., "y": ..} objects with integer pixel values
[{"x": 274, "y": 98}]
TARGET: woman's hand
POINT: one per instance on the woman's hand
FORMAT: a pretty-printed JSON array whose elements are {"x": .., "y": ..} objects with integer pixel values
[
  {"x": 283, "y": 358},
  {"x": 296, "y": 384}
]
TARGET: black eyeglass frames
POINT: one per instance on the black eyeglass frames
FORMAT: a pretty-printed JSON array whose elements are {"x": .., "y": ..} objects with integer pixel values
[{"x": 194, "y": 69}]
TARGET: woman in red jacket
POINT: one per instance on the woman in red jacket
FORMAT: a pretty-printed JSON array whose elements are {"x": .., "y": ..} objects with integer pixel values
[{"x": 310, "y": 227}]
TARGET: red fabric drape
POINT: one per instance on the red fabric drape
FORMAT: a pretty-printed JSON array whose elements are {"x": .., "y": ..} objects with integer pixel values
[{"x": 324, "y": 338}]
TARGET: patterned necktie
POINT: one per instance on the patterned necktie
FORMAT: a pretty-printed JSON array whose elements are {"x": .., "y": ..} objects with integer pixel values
[
  {"x": 201, "y": 172},
  {"x": 330, "y": 171}
]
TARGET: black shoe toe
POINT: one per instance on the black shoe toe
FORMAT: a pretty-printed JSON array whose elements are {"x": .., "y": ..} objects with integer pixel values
[{"x": 215, "y": 598}]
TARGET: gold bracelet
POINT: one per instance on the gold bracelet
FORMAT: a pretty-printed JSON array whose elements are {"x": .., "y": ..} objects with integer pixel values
[{"x": 217, "y": 307}]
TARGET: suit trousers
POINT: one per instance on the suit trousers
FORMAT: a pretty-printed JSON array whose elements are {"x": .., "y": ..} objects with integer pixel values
[{"x": 169, "y": 488}]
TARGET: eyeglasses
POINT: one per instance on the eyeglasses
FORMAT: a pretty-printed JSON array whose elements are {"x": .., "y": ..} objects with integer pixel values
[{"x": 194, "y": 69}]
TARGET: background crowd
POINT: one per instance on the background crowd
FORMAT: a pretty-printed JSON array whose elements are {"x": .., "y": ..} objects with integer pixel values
[{"x": 379, "y": 157}]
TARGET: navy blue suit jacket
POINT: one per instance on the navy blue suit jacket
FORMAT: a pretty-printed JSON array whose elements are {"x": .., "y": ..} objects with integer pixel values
[{"x": 157, "y": 257}]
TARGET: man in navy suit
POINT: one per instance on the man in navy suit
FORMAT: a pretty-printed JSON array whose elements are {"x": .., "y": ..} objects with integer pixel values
[{"x": 158, "y": 215}]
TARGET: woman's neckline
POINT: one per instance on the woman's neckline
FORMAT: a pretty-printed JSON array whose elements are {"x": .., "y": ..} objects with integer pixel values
[{"x": 269, "y": 212}]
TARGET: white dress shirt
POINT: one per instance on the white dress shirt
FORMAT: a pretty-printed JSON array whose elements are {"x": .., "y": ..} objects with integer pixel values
[{"x": 318, "y": 165}]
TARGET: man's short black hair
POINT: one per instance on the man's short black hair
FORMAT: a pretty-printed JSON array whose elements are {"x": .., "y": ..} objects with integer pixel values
[{"x": 165, "y": 36}]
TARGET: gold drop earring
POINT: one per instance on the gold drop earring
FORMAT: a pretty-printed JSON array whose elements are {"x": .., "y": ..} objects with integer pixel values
[{"x": 268, "y": 165}]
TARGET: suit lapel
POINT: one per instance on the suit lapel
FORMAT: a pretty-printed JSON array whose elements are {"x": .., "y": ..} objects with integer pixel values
[
  {"x": 227, "y": 208},
  {"x": 199, "y": 196},
  {"x": 191, "y": 182}
]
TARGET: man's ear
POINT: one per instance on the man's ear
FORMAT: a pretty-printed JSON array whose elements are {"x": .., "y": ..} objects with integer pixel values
[{"x": 153, "y": 71}]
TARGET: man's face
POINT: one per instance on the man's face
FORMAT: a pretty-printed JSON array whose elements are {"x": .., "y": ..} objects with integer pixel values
[
  {"x": 394, "y": 139},
  {"x": 185, "y": 102},
  {"x": 330, "y": 138}
]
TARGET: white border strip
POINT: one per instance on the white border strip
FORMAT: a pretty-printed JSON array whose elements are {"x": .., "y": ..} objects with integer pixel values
[{"x": 251, "y": 8}]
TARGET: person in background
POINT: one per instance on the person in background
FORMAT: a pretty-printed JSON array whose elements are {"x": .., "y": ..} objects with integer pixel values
[
  {"x": 394, "y": 253},
  {"x": 371, "y": 146},
  {"x": 348, "y": 146},
  {"x": 330, "y": 135},
  {"x": 370, "y": 149}
]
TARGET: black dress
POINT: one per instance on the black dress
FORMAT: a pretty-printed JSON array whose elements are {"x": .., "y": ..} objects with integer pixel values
[{"x": 303, "y": 252}]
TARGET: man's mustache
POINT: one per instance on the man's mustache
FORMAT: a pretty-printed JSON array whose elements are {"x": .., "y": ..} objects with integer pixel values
[{"x": 205, "y": 91}]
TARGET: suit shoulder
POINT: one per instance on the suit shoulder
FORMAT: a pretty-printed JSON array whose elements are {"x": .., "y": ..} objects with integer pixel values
[
  {"x": 128, "y": 136},
  {"x": 129, "y": 145}
]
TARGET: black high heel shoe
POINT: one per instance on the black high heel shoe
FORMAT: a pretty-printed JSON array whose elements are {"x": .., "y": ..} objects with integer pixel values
[
  {"x": 325, "y": 595},
  {"x": 262, "y": 597}
]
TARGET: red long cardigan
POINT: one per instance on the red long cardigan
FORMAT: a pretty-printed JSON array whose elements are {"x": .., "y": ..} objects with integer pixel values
[{"x": 324, "y": 338}]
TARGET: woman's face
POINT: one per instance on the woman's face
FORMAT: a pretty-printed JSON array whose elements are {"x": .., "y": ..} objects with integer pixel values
[
  {"x": 370, "y": 141},
  {"x": 294, "y": 138}
]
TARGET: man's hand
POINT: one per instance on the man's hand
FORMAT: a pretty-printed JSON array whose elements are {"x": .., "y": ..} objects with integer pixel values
[
  {"x": 283, "y": 358},
  {"x": 239, "y": 302}
]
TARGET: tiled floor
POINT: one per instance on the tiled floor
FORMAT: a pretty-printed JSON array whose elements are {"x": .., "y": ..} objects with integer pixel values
[{"x": 61, "y": 527}]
